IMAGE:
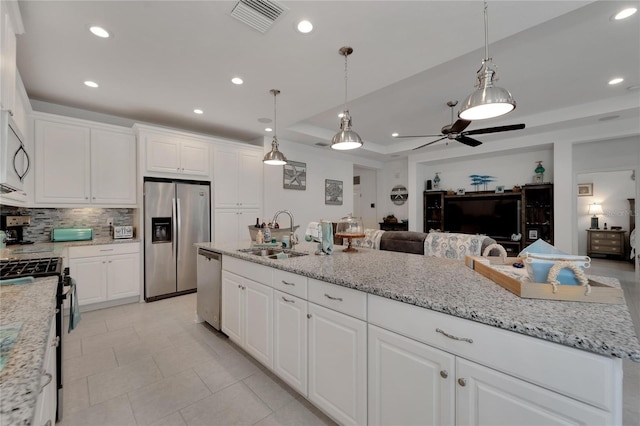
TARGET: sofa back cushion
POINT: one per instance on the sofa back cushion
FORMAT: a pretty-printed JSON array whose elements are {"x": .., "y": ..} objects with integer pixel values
[
  {"x": 403, "y": 241},
  {"x": 454, "y": 245}
]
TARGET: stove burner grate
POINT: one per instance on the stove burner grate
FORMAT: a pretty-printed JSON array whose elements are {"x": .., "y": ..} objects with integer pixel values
[{"x": 42, "y": 267}]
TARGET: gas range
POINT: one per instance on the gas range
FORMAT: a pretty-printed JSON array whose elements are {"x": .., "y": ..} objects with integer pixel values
[{"x": 40, "y": 267}]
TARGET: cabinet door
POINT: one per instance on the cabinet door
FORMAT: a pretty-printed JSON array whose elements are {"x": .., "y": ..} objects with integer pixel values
[
  {"x": 225, "y": 226},
  {"x": 63, "y": 160},
  {"x": 90, "y": 274},
  {"x": 7, "y": 62},
  {"x": 225, "y": 169},
  {"x": 487, "y": 397},
  {"x": 113, "y": 167},
  {"x": 123, "y": 276},
  {"x": 290, "y": 340},
  {"x": 249, "y": 179},
  {"x": 163, "y": 154},
  {"x": 258, "y": 323},
  {"x": 409, "y": 383},
  {"x": 194, "y": 158},
  {"x": 338, "y": 365},
  {"x": 232, "y": 321}
]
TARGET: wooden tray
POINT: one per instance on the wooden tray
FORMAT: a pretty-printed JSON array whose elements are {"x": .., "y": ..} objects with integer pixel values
[{"x": 600, "y": 293}]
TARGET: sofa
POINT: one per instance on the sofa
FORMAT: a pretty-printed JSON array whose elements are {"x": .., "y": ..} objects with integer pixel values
[{"x": 448, "y": 245}]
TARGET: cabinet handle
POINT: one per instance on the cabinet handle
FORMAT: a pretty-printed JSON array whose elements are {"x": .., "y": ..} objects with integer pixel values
[
  {"x": 10, "y": 112},
  {"x": 49, "y": 379},
  {"x": 287, "y": 283},
  {"x": 56, "y": 342},
  {"x": 444, "y": 374},
  {"x": 287, "y": 300},
  {"x": 309, "y": 316},
  {"x": 339, "y": 299},
  {"x": 451, "y": 336},
  {"x": 106, "y": 249},
  {"x": 462, "y": 382},
  {"x": 86, "y": 198},
  {"x": 110, "y": 261},
  {"x": 239, "y": 286}
]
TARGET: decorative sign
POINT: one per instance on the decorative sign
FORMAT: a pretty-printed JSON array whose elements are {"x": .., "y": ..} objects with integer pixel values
[
  {"x": 333, "y": 192},
  {"x": 294, "y": 175}
]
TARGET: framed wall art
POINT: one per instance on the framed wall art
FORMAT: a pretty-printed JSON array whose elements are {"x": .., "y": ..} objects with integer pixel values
[
  {"x": 333, "y": 192},
  {"x": 585, "y": 189},
  {"x": 294, "y": 175},
  {"x": 533, "y": 234}
]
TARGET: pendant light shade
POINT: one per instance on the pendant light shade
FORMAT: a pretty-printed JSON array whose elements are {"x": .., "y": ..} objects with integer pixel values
[
  {"x": 274, "y": 157},
  {"x": 487, "y": 101},
  {"x": 346, "y": 138}
]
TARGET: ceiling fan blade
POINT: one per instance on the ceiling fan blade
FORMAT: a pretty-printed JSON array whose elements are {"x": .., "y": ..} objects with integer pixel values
[
  {"x": 427, "y": 144},
  {"x": 418, "y": 136},
  {"x": 494, "y": 129},
  {"x": 468, "y": 141},
  {"x": 459, "y": 126}
]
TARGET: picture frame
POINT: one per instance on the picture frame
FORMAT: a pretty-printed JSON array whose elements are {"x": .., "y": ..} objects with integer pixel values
[
  {"x": 460, "y": 191},
  {"x": 585, "y": 189},
  {"x": 500, "y": 189},
  {"x": 294, "y": 175},
  {"x": 532, "y": 234},
  {"x": 333, "y": 192}
]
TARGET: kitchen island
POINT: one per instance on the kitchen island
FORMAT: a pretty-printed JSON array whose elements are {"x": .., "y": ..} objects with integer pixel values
[{"x": 550, "y": 344}]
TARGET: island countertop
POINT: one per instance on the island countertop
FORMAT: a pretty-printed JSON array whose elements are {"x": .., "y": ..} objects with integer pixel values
[
  {"x": 450, "y": 287},
  {"x": 33, "y": 306}
]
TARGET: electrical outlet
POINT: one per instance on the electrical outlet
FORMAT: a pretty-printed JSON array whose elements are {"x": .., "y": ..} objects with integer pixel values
[{"x": 110, "y": 221}]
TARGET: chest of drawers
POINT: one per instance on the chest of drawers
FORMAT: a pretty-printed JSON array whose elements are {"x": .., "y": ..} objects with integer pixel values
[{"x": 606, "y": 242}]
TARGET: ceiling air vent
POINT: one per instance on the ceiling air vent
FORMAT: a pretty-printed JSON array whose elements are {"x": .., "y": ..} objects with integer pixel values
[{"x": 258, "y": 14}]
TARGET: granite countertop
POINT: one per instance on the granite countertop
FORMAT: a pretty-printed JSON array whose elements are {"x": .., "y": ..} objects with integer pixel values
[
  {"x": 54, "y": 249},
  {"x": 450, "y": 287},
  {"x": 34, "y": 306}
]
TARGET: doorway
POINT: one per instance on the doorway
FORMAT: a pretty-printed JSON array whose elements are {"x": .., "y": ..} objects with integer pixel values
[{"x": 365, "y": 190}]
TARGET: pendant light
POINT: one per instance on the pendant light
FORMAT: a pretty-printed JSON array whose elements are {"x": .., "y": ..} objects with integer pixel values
[
  {"x": 346, "y": 138},
  {"x": 274, "y": 157},
  {"x": 487, "y": 101}
]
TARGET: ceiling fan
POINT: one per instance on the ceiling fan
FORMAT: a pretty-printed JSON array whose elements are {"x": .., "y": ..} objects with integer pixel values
[{"x": 455, "y": 131}]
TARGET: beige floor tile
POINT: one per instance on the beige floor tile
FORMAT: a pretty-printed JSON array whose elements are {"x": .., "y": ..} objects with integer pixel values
[
  {"x": 214, "y": 375},
  {"x": 238, "y": 365},
  {"x": 234, "y": 405},
  {"x": 174, "y": 419},
  {"x": 86, "y": 365},
  {"x": 152, "y": 403},
  {"x": 176, "y": 359},
  {"x": 89, "y": 327},
  {"x": 145, "y": 347},
  {"x": 109, "y": 384},
  {"x": 109, "y": 340},
  {"x": 72, "y": 348},
  {"x": 115, "y": 412},
  {"x": 297, "y": 412},
  {"x": 271, "y": 390},
  {"x": 75, "y": 395}
]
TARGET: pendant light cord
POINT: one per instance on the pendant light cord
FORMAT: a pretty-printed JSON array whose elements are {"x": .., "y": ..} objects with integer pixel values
[
  {"x": 275, "y": 117},
  {"x": 486, "y": 33},
  {"x": 345, "y": 82}
]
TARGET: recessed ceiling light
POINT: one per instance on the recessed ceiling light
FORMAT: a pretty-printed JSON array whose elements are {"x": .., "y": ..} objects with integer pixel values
[
  {"x": 395, "y": 135},
  {"x": 625, "y": 13},
  {"x": 305, "y": 26},
  {"x": 268, "y": 129},
  {"x": 91, "y": 84},
  {"x": 264, "y": 120},
  {"x": 237, "y": 80},
  {"x": 99, "y": 31},
  {"x": 198, "y": 111},
  {"x": 616, "y": 80}
]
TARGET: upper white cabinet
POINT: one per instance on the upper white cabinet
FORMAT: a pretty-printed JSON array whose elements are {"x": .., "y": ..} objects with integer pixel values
[
  {"x": 10, "y": 25},
  {"x": 81, "y": 164},
  {"x": 237, "y": 177},
  {"x": 175, "y": 154}
]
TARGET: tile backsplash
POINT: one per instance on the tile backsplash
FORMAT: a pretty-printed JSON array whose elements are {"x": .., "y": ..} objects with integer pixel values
[{"x": 44, "y": 220}]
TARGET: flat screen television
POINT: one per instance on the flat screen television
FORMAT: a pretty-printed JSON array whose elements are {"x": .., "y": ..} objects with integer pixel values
[{"x": 492, "y": 216}]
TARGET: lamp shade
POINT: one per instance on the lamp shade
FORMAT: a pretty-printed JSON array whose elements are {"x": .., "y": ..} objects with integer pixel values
[
  {"x": 274, "y": 157},
  {"x": 595, "y": 209},
  {"x": 346, "y": 138},
  {"x": 487, "y": 101}
]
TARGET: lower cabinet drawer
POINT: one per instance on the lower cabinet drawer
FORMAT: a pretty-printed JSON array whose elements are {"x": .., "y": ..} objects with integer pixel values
[
  {"x": 578, "y": 374},
  {"x": 103, "y": 250},
  {"x": 605, "y": 242},
  {"x": 605, "y": 249},
  {"x": 341, "y": 299}
]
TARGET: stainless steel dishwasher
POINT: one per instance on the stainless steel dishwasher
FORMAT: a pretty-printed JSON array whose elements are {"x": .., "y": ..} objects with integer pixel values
[{"x": 209, "y": 269}]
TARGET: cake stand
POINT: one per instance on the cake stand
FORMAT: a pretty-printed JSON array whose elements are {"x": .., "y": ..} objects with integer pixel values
[{"x": 349, "y": 237}]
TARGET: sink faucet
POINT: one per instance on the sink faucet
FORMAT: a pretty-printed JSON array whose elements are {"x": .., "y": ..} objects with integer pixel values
[{"x": 293, "y": 239}]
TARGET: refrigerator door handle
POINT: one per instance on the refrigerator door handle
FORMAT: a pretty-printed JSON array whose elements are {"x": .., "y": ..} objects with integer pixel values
[
  {"x": 174, "y": 250},
  {"x": 179, "y": 230}
]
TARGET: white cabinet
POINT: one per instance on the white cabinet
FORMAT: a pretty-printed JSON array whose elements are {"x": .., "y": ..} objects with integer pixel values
[
  {"x": 290, "y": 340},
  {"x": 247, "y": 315},
  {"x": 175, "y": 154},
  {"x": 78, "y": 164},
  {"x": 338, "y": 365},
  {"x": 46, "y": 404},
  {"x": 105, "y": 272},
  {"x": 8, "y": 69},
  {"x": 238, "y": 178},
  {"x": 410, "y": 383},
  {"x": 230, "y": 225}
]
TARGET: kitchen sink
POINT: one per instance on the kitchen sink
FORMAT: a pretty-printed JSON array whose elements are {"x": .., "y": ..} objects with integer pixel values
[{"x": 272, "y": 253}]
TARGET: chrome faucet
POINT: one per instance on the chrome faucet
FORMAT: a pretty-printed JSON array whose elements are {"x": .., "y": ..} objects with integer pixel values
[{"x": 293, "y": 239}]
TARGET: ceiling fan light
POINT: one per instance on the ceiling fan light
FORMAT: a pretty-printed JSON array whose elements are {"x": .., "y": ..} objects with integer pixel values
[{"x": 487, "y": 102}]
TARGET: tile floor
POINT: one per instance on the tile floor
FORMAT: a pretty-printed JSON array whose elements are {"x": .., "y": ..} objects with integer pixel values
[{"x": 151, "y": 364}]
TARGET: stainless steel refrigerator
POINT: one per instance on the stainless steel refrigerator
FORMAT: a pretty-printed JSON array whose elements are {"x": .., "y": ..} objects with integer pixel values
[{"x": 176, "y": 215}]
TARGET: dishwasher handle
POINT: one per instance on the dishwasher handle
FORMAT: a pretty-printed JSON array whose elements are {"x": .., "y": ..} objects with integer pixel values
[{"x": 209, "y": 254}]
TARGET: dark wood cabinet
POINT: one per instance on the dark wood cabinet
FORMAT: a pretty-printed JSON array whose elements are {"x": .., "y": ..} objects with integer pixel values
[
  {"x": 537, "y": 214},
  {"x": 433, "y": 207},
  {"x": 397, "y": 226},
  {"x": 606, "y": 242}
]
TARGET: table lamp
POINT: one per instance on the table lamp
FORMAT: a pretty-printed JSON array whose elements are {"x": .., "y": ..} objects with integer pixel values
[{"x": 595, "y": 209}]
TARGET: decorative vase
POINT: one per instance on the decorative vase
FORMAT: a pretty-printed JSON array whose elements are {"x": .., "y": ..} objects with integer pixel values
[
  {"x": 436, "y": 181},
  {"x": 539, "y": 172}
]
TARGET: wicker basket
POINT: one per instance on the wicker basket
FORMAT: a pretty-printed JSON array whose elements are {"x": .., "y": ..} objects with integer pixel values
[{"x": 275, "y": 233}]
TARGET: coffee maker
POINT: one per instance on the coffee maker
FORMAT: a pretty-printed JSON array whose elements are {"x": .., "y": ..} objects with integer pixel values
[{"x": 12, "y": 225}]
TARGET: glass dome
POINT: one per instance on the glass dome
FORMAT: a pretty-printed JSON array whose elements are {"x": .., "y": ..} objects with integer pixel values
[{"x": 349, "y": 226}]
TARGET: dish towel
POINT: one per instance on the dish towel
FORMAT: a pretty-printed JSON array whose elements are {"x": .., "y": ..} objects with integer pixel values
[
  {"x": 326, "y": 245},
  {"x": 74, "y": 307}
]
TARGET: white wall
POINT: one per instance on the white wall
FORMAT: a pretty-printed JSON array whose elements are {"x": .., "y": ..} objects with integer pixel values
[
  {"x": 393, "y": 173},
  {"x": 368, "y": 195}
]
